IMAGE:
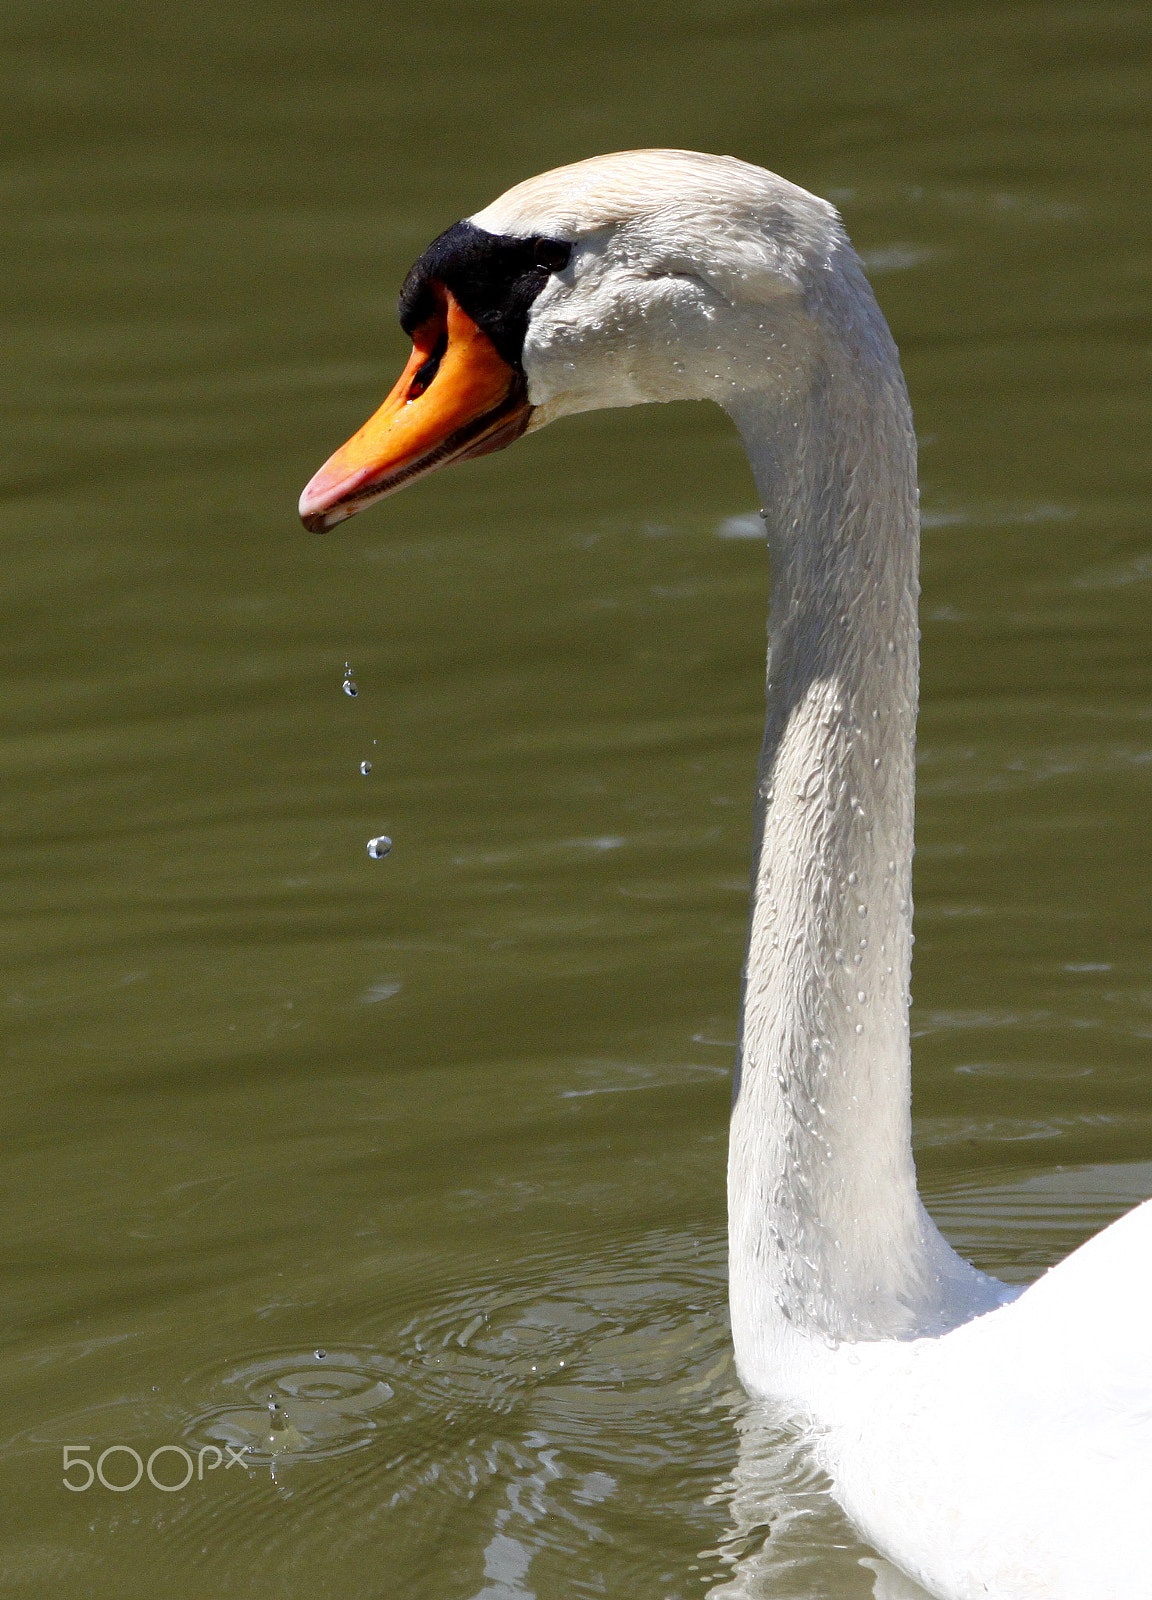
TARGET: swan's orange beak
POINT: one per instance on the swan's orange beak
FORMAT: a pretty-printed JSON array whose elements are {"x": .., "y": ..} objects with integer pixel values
[{"x": 456, "y": 398}]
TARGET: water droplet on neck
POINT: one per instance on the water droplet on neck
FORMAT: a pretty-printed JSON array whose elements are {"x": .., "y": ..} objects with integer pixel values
[
  {"x": 859, "y": 1027},
  {"x": 365, "y": 767},
  {"x": 379, "y": 848}
]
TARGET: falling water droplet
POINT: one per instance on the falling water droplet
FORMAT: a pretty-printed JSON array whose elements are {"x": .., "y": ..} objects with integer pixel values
[
  {"x": 320, "y": 1354},
  {"x": 379, "y": 848},
  {"x": 350, "y": 688},
  {"x": 365, "y": 767}
]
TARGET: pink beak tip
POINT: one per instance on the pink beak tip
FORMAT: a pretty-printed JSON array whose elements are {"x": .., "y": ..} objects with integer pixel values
[{"x": 324, "y": 502}]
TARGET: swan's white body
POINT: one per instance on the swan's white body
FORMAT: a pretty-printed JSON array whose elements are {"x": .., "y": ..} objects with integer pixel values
[
  {"x": 988, "y": 1445},
  {"x": 1013, "y": 1456}
]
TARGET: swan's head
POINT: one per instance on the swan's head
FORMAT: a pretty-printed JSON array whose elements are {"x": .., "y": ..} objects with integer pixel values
[{"x": 650, "y": 275}]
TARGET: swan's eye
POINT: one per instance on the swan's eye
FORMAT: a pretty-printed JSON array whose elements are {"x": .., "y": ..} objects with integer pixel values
[
  {"x": 428, "y": 369},
  {"x": 551, "y": 254}
]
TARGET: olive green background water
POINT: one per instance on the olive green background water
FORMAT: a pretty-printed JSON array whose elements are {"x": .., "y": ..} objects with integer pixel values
[{"x": 458, "y": 1117}]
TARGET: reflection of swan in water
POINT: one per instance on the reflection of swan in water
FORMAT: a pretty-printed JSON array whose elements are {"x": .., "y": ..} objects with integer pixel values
[
  {"x": 988, "y": 1448},
  {"x": 786, "y": 1539}
]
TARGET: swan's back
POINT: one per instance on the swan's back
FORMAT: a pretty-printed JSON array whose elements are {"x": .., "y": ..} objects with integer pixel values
[{"x": 1014, "y": 1456}]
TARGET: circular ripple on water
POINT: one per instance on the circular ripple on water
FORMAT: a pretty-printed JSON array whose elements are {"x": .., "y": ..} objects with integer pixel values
[
  {"x": 311, "y": 1405},
  {"x": 567, "y": 1430}
]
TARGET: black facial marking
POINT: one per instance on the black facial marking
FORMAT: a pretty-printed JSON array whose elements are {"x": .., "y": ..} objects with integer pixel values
[{"x": 493, "y": 277}]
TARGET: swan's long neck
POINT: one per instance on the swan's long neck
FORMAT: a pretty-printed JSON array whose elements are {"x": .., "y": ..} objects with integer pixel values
[{"x": 828, "y": 1239}]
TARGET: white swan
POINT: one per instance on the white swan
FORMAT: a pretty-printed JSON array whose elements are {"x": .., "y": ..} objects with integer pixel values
[{"x": 987, "y": 1448}]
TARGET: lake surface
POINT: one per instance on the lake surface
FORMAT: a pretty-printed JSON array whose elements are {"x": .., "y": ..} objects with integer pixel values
[{"x": 457, "y": 1118}]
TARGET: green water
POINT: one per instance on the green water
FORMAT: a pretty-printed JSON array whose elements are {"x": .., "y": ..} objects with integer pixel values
[{"x": 458, "y": 1117}]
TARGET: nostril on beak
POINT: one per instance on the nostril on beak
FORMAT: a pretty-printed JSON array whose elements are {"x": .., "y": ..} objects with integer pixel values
[{"x": 425, "y": 374}]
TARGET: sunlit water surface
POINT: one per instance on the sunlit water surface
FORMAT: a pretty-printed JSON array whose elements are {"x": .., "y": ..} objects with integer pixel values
[{"x": 456, "y": 1117}]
